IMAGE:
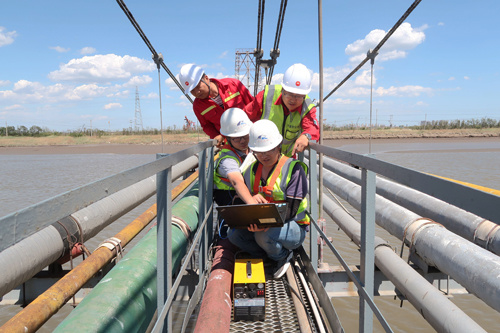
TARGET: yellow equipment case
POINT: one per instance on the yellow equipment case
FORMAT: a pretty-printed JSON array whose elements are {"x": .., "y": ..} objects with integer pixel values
[{"x": 249, "y": 290}]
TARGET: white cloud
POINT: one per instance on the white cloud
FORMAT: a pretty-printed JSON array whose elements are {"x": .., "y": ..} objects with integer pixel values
[
  {"x": 151, "y": 95},
  {"x": 59, "y": 49},
  {"x": 138, "y": 81},
  {"x": 345, "y": 101},
  {"x": 121, "y": 93},
  {"x": 451, "y": 78},
  {"x": 220, "y": 75},
  {"x": 112, "y": 106},
  {"x": 13, "y": 107},
  {"x": 6, "y": 37},
  {"x": 86, "y": 91},
  {"x": 420, "y": 103},
  {"x": 26, "y": 92},
  {"x": 364, "y": 79},
  {"x": 32, "y": 92},
  {"x": 358, "y": 91},
  {"x": 170, "y": 83},
  {"x": 404, "y": 38},
  {"x": 101, "y": 68},
  {"x": 223, "y": 55},
  {"x": 441, "y": 24},
  {"x": 331, "y": 78},
  {"x": 466, "y": 78},
  {"x": 404, "y": 91},
  {"x": 87, "y": 50},
  {"x": 4, "y": 82}
]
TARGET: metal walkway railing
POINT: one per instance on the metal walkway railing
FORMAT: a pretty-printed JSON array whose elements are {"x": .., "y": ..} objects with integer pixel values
[
  {"x": 411, "y": 227},
  {"x": 412, "y": 230}
]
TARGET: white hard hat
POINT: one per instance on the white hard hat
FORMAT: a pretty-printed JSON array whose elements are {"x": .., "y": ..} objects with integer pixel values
[
  {"x": 234, "y": 122},
  {"x": 264, "y": 136},
  {"x": 190, "y": 76},
  {"x": 297, "y": 80}
]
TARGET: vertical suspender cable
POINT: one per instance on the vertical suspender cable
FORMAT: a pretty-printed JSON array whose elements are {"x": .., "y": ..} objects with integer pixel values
[
  {"x": 279, "y": 28},
  {"x": 377, "y": 48},
  {"x": 320, "y": 160},
  {"x": 371, "y": 55},
  {"x": 158, "y": 58},
  {"x": 258, "y": 49}
]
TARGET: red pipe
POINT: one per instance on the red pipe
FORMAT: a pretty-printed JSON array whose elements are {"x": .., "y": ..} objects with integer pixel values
[{"x": 215, "y": 311}]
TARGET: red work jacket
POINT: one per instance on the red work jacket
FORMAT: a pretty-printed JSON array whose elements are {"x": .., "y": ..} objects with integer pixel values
[{"x": 233, "y": 94}]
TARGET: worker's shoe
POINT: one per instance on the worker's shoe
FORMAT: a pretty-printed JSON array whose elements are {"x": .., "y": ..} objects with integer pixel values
[{"x": 282, "y": 265}]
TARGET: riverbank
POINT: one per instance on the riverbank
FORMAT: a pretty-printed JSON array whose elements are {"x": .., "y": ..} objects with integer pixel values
[{"x": 152, "y": 144}]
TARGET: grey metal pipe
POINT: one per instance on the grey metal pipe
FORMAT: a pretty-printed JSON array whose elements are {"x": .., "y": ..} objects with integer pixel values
[
  {"x": 299, "y": 308},
  {"x": 470, "y": 226},
  {"x": 471, "y": 266},
  {"x": 23, "y": 260},
  {"x": 436, "y": 308},
  {"x": 310, "y": 297}
]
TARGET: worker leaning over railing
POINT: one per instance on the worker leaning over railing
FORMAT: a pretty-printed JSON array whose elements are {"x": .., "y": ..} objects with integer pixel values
[
  {"x": 212, "y": 97},
  {"x": 290, "y": 108},
  {"x": 274, "y": 178}
]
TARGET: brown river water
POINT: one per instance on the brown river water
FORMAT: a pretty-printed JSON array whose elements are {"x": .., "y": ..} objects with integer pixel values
[{"x": 31, "y": 175}]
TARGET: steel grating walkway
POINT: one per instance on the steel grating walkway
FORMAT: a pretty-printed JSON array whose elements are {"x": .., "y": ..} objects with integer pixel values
[{"x": 280, "y": 310}]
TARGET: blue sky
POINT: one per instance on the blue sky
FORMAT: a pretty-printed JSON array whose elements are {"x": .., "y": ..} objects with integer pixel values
[{"x": 67, "y": 65}]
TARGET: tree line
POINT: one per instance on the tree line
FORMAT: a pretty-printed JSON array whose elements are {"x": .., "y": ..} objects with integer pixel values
[
  {"x": 37, "y": 131},
  {"x": 427, "y": 125}
]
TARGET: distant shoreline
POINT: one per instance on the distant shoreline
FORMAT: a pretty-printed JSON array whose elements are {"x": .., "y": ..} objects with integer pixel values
[{"x": 172, "y": 147}]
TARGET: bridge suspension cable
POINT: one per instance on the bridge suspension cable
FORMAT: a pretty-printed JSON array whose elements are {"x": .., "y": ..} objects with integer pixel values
[
  {"x": 372, "y": 53},
  {"x": 258, "y": 48},
  {"x": 150, "y": 46},
  {"x": 275, "y": 52}
]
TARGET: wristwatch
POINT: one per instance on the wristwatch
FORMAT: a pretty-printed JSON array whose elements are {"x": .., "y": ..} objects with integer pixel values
[{"x": 308, "y": 136}]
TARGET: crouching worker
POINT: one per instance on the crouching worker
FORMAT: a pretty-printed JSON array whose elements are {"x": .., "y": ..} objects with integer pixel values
[
  {"x": 228, "y": 178},
  {"x": 275, "y": 178}
]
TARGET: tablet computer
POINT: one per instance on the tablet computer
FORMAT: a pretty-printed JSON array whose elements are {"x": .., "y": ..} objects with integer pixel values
[{"x": 268, "y": 215}]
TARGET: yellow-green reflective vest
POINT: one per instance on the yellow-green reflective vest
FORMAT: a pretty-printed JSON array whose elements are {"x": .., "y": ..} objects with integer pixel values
[
  {"x": 220, "y": 182},
  {"x": 279, "y": 188},
  {"x": 290, "y": 127}
]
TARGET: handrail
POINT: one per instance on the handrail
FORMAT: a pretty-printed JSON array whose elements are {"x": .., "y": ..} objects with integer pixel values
[
  {"x": 483, "y": 204},
  {"x": 353, "y": 277},
  {"x": 359, "y": 197},
  {"x": 168, "y": 303},
  {"x": 23, "y": 223},
  {"x": 164, "y": 245},
  {"x": 48, "y": 303}
]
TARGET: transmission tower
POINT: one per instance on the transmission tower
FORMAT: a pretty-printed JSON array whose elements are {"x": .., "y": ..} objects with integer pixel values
[
  {"x": 245, "y": 68},
  {"x": 138, "y": 116}
]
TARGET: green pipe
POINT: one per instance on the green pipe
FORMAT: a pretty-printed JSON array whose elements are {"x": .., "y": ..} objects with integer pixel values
[{"x": 125, "y": 299}]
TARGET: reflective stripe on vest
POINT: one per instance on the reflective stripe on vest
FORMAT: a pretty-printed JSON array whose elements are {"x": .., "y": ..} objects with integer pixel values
[
  {"x": 207, "y": 109},
  {"x": 290, "y": 127},
  {"x": 222, "y": 183},
  {"x": 279, "y": 187},
  {"x": 268, "y": 189}
]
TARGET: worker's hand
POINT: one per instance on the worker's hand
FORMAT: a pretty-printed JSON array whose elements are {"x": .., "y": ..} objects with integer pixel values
[
  {"x": 300, "y": 144},
  {"x": 255, "y": 228},
  {"x": 220, "y": 141},
  {"x": 259, "y": 198}
]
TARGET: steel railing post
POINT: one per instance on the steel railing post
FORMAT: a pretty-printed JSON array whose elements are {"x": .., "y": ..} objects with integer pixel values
[
  {"x": 367, "y": 260},
  {"x": 313, "y": 204},
  {"x": 202, "y": 208},
  {"x": 209, "y": 192},
  {"x": 164, "y": 246}
]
